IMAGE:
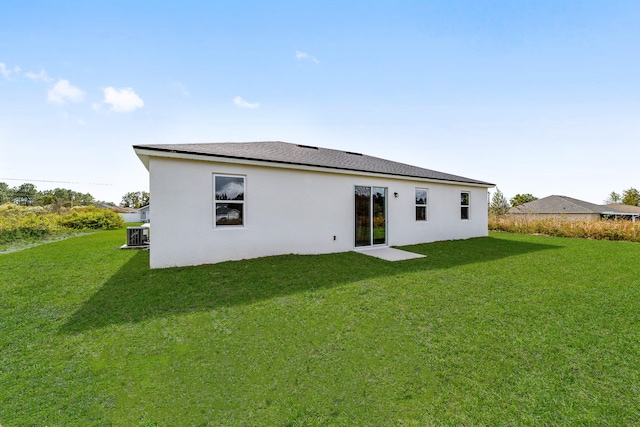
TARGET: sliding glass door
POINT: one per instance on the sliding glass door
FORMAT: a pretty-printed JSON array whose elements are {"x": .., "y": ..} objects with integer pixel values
[
  {"x": 370, "y": 216},
  {"x": 379, "y": 215},
  {"x": 363, "y": 216}
]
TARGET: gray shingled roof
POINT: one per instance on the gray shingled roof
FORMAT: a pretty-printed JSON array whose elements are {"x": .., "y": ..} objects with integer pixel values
[
  {"x": 560, "y": 204},
  {"x": 283, "y": 152},
  {"x": 623, "y": 208}
]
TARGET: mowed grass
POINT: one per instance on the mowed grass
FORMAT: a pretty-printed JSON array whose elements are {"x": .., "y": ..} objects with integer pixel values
[{"x": 504, "y": 330}]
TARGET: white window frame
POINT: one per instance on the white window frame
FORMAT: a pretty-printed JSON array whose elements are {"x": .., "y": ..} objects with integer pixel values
[
  {"x": 242, "y": 202},
  {"x": 467, "y": 206},
  {"x": 420, "y": 205}
]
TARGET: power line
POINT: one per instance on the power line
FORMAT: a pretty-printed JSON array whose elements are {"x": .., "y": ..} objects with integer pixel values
[{"x": 57, "y": 182}]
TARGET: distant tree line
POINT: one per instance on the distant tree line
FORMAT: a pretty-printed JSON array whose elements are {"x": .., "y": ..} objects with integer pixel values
[
  {"x": 28, "y": 195},
  {"x": 628, "y": 197},
  {"x": 500, "y": 206},
  {"x": 521, "y": 199},
  {"x": 135, "y": 199}
]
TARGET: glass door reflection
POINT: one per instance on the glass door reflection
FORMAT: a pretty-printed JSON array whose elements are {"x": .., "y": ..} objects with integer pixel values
[{"x": 370, "y": 216}]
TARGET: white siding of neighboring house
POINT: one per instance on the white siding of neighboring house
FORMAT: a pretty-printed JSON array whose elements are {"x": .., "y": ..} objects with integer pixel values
[
  {"x": 291, "y": 211},
  {"x": 131, "y": 217},
  {"x": 144, "y": 214}
]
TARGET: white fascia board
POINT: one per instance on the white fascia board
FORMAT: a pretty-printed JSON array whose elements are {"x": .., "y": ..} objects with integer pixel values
[{"x": 144, "y": 156}]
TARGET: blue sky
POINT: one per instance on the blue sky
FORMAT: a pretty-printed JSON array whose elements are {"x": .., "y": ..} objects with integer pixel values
[{"x": 538, "y": 97}]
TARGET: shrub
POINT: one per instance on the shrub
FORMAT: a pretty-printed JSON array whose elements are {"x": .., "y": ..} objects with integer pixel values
[
  {"x": 14, "y": 217},
  {"x": 24, "y": 223},
  {"x": 34, "y": 222},
  {"x": 8, "y": 236},
  {"x": 91, "y": 218},
  {"x": 599, "y": 230}
]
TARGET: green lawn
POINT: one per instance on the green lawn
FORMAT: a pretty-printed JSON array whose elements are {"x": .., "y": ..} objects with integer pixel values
[{"x": 506, "y": 330}]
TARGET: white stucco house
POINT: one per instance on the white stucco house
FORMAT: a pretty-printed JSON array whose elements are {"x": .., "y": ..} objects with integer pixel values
[{"x": 229, "y": 201}]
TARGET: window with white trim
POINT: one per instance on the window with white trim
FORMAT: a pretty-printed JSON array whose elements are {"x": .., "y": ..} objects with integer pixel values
[
  {"x": 229, "y": 204},
  {"x": 464, "y": 205},
  {"x": 421, "y": 204}
]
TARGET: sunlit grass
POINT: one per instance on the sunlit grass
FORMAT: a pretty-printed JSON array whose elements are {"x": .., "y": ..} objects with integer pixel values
[{"x": 505, "y": 330}]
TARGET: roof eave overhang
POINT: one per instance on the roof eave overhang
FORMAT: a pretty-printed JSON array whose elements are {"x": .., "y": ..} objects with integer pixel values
[
  {"x": 557, "y": 213},
  {"x": 620, "y": 213},
  {"x": 145, "y": 153}
]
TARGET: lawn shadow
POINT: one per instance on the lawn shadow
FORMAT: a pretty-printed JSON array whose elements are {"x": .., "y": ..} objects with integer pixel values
[{"x": 135, "y": 292}]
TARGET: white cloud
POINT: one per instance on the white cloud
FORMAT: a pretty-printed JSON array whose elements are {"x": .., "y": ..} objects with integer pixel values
[
  {"x": 241, "y": 103},
  {"x": 305, "y": 55},
  {"x": 42, "y": 76},
  {"x": 6, "y": 72},
  {"x": 231, "y": 190},
  {"x": 122, "y": 100},
  {"x": 63, "y": 92}
]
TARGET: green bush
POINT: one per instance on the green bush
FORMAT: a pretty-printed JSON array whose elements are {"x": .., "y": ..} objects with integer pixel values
[
  {"x": 8, "y": 236},
  {"x": 14, "y": 217},
  {"x": 91, "y": 218},
  {"x": 30, "y": 223}
]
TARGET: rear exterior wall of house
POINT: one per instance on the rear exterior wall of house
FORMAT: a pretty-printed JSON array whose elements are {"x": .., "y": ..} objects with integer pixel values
[{"x": 289, "y": 210}]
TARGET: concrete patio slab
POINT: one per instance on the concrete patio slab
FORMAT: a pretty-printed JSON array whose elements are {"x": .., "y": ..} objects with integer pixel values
[{"x": 389, "y": 254}]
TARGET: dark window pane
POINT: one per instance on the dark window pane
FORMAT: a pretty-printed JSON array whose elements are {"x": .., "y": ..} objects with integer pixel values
[
  {"x": 379, "y": 216},
  {"x": 421, "y": 213},
  {"x": 464, "y": 212},
  {"x": 363, "y": 215},
  {"x": 464, "y": 199},
  {"x": 229, "y": 213},
  {"x": 421, "y": 197},
  {"x": 229, "y": 188}
]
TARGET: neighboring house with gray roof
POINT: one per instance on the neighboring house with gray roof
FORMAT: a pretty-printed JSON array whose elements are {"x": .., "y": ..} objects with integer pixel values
[
  {"x": 627, "y": 209},
  {"x": 246, "y": 200},
  {"x": 571, "y": 209}
]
